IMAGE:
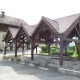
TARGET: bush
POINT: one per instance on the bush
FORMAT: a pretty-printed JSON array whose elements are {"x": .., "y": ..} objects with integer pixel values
[
  {"x": 70, "y": 52},
  {"x": 71, "y": 48},
  {"x": 52, "y": 48},
  {"x": 44, "y": 49},
  {"x": 56, "y": 52}
]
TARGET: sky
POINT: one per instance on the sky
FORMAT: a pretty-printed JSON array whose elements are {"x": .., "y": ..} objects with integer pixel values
[{"x": 31, "y": 11}]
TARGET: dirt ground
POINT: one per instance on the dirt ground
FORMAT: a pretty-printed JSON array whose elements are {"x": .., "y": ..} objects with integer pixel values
[{"x": 10, "y": 70}]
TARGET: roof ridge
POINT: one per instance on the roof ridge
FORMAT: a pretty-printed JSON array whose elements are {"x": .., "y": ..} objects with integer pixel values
[
  {"x": 67, "y": 21},
  {"x": 68, "y": 16},
  {"x": 13, "y": 21},
  {"x": 52, "y": 21}
]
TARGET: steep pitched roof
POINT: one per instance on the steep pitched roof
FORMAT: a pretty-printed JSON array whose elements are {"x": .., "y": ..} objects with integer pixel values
[
  {"x": 11, "y": 20},
  {"x": 13, "y": 31},
  {"x": 53, "y": 23},
  {"x": 65, "y": 22},
  {"x": 29, "y": 29},
  {"x": 62, "y": 24}
]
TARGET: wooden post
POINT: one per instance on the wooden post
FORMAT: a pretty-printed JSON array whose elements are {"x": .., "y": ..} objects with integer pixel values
[
  {"x": 4, "y": 50},
  {"x": 23, "y": 45},
  {"x": 11, "y": 47},
  {"x": 77, "y": 46},
  {"x": 27, "y": 47},
  {"x": 79, "y": 42},
  {"x": 23, "y": 50},
  {"x": 66, "y": 51},
  {"x": 36, "y": 49},
  {"x": 15, "y": 49},
  {"x": 61, "y": 50},
  {"x": 48, "y": 46},
  {"x": 32, "y": 49}
]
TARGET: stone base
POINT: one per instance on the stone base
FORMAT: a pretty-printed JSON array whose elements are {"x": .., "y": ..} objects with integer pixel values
[
  {"x": 69, "y": 72},
  {"x": 23, "y": 58},
  {"x": 76, "y": 65},
  {"x": 53, "y": 66},
  {"x": 15, "y": 59}
]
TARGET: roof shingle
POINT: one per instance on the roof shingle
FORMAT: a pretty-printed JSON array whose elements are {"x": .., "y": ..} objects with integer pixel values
[
  {"x": 62, "y": 24},
  {"x": 11, "y": 20},
  {"x": 13, "y": 31}
]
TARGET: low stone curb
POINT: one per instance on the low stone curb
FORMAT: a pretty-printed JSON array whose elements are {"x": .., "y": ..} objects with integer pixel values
[{"x": 69, "y": 72}]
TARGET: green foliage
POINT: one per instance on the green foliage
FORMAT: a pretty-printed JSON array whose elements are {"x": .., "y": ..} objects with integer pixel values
[
  {"x": 71, "y": 48},
  {"x": 52, "y": 48},
  {"x": 72, "y": 51},
  {"x": 56, "y": 52},
  {"x": 44, "y": 49}
]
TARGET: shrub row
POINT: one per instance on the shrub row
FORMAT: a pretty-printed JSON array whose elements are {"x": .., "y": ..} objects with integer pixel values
[{"x": 71, "y": 50}]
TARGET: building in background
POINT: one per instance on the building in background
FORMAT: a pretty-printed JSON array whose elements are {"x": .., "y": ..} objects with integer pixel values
[{"x": 7, "y": 21}]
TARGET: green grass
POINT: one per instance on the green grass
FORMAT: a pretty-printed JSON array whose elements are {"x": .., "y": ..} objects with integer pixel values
[{"x": 43, "y": 53}]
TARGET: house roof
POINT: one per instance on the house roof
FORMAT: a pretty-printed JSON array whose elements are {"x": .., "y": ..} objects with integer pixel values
[
  {"x": 29, "y": 28},
  {"x": 11, "y": 20},
  {"x": 62, "y": 24},
  {"x": 13, "y": 31}
]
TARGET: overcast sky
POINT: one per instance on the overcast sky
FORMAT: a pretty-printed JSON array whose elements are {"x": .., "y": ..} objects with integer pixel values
[{"x": 32, "y": 10}]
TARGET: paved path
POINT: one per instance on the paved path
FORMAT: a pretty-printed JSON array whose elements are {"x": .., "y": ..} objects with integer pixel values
[
  {"x": 19, "y": 52},
  {"x": 10, "y": 70}
]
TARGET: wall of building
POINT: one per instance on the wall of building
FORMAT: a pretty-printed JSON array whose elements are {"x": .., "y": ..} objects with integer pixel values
[{"x": 2, "y": 35}]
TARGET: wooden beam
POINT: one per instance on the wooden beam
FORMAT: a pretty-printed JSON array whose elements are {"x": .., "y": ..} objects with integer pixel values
[
  {"x": 8, "y": 45},
  {"x": 68, "y": 39},
  {"x": 77, "y": 32},
  {"x": 32, "y": 49},
  {"x": 23, "y": 45},
  {"x": 15, "y": 49},
  {"x": 36, "y": 49},
  {"x": 78, "y": 49},
  {"x": 71, "y": 28},
  {"x": 66, "y": 45},
  {"x": 48, "y": 46},
  {"x": 61, "y": 50},
  {"x": 4, "y": 51},
  {"x": 79, "y": 43}
]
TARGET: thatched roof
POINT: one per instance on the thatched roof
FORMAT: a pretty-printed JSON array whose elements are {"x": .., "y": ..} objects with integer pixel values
[{"x": 11, "y": 20}]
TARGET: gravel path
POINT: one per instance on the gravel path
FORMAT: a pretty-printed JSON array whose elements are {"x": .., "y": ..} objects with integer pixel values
[{"x": 10, "y": 70}]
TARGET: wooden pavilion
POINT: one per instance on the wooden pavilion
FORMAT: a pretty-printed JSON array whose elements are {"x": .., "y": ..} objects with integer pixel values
[
  {"x": 49, "y": 31},
  {"x": 20, "y": 37},
  {"x": 61, "y": 30},
  {"x": 10, "y": 38},
  {"x": 23, "y": 37}
]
